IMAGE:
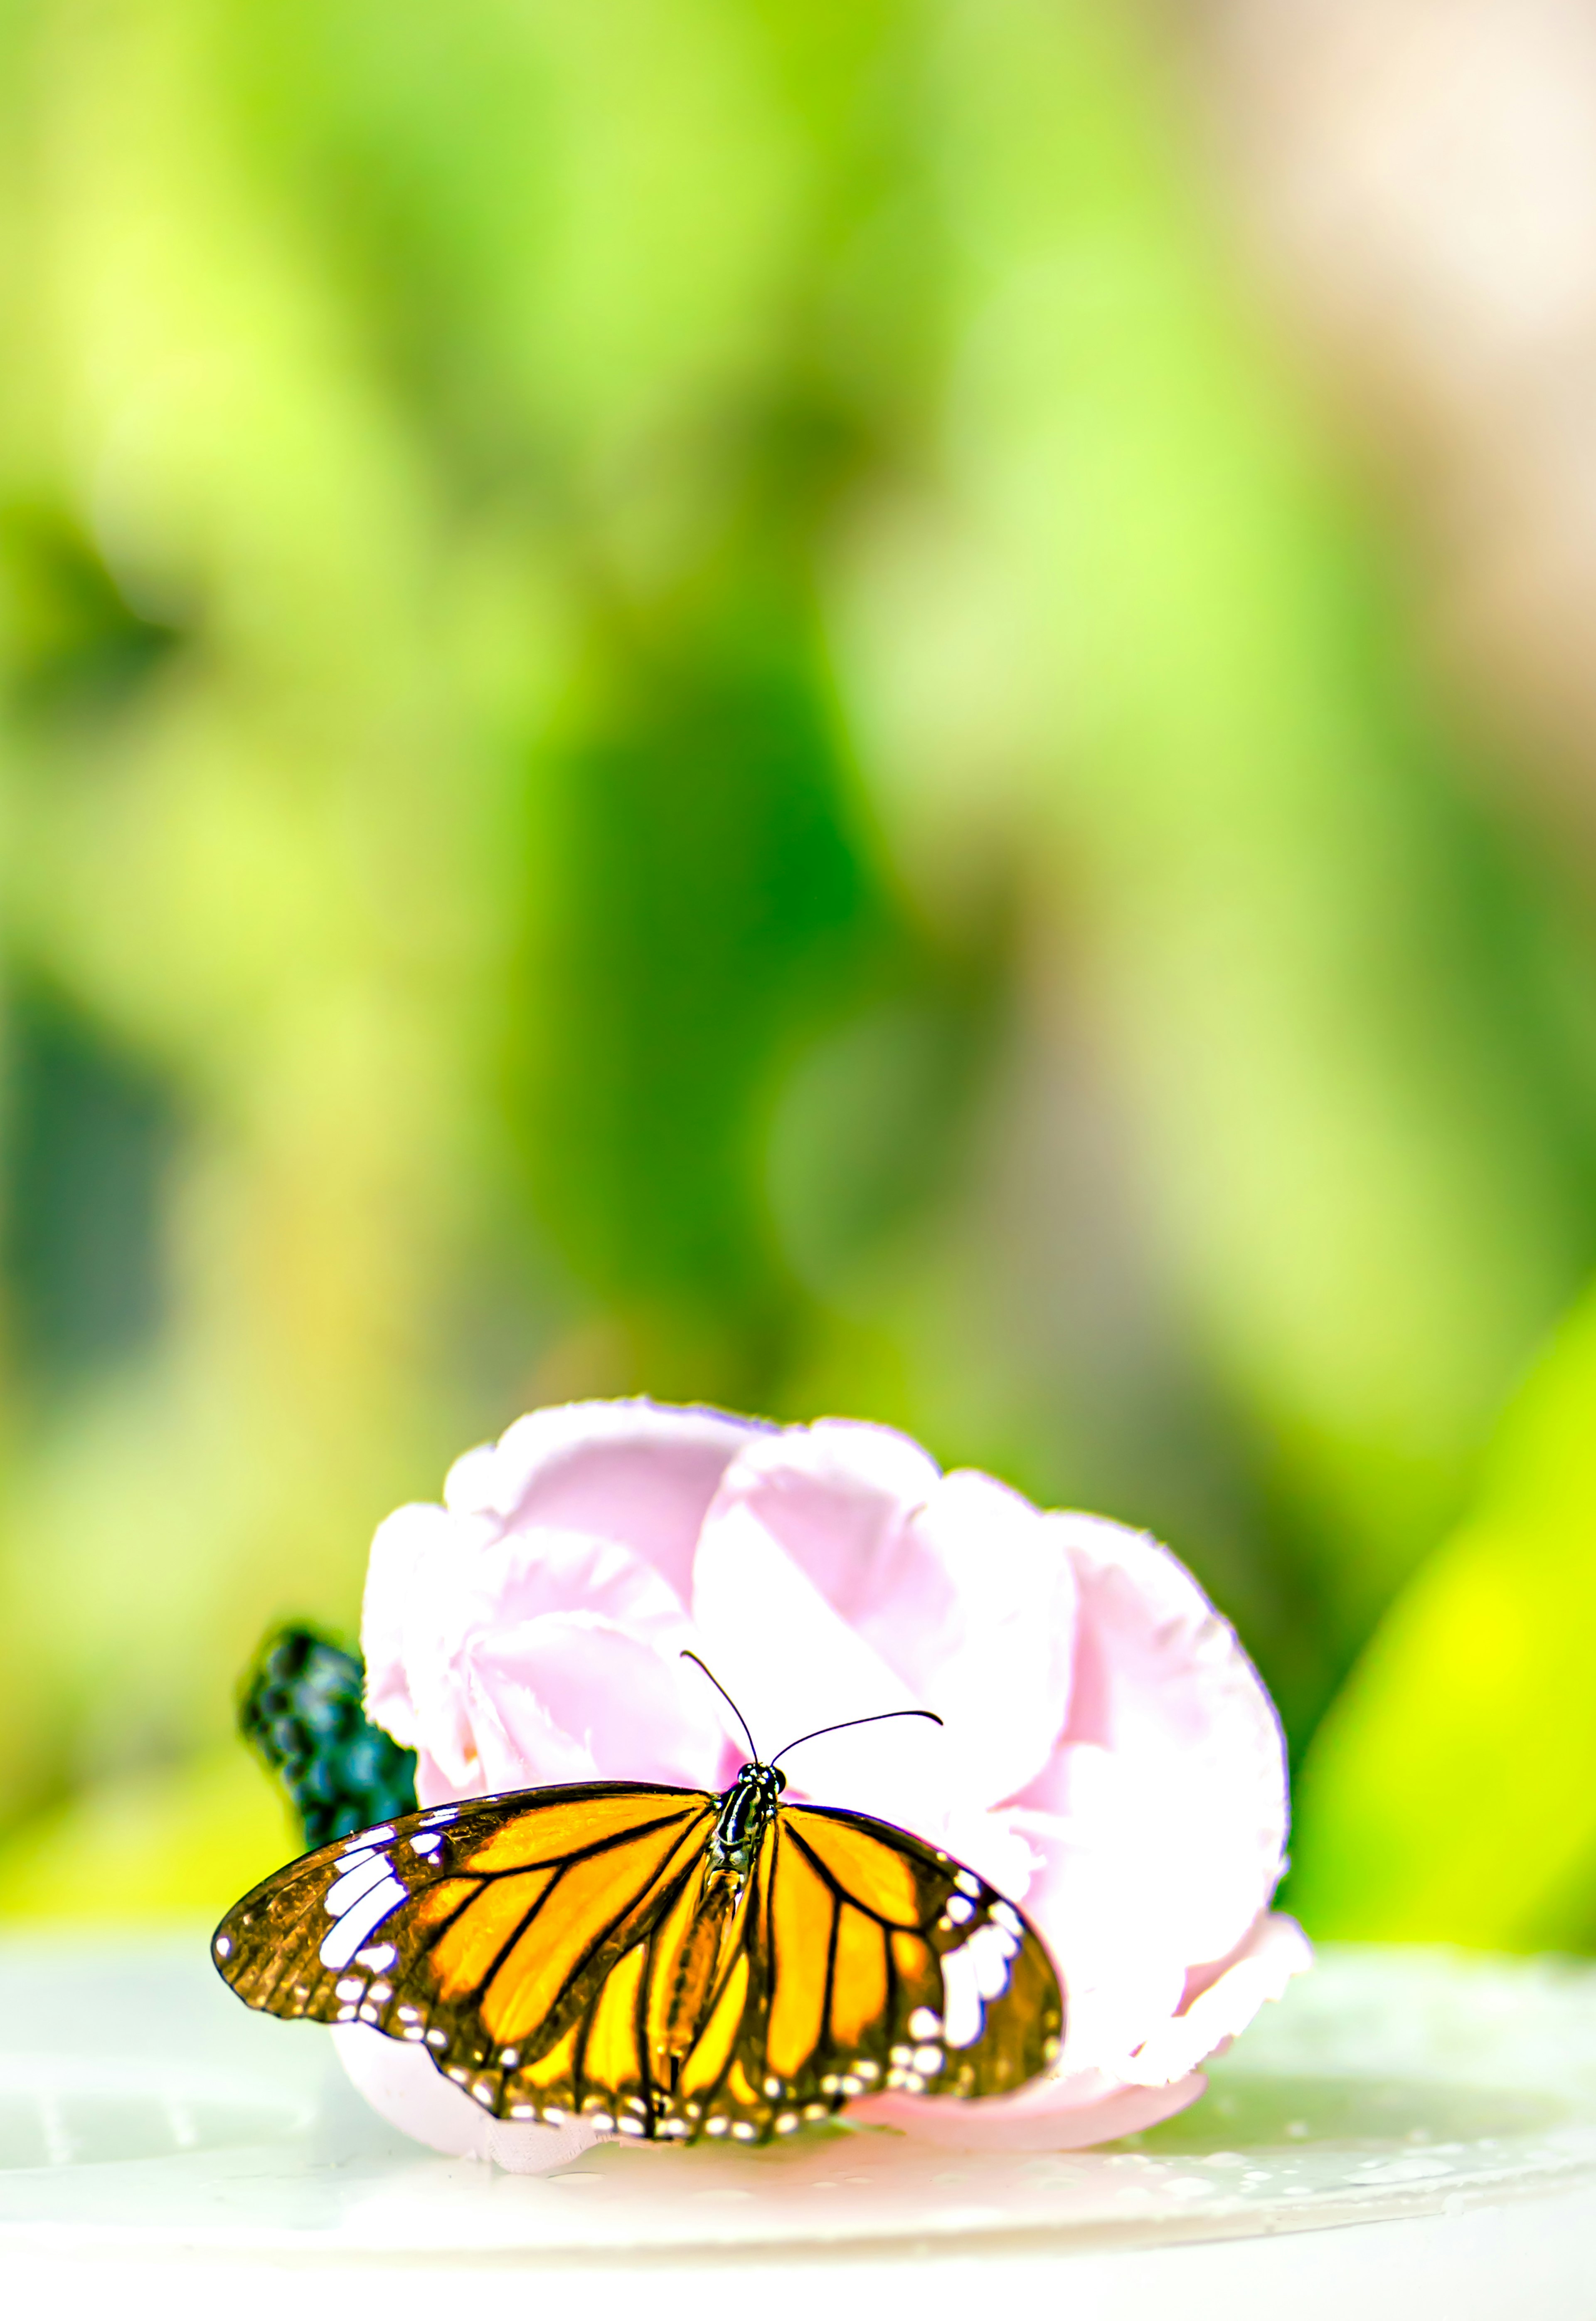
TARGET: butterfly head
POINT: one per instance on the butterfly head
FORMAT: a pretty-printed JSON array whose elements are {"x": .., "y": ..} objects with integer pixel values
[
  {"x": 746, "y": 1811},
  {"x": 747, "y": 1806}
]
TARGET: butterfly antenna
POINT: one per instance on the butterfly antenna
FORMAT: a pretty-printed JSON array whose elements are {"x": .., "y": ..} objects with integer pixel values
[
  {"x": 848, "y": 1723},
  {"x": 731, "y": 1704}
]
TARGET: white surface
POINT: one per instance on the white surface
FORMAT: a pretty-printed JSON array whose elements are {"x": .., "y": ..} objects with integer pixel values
[{"x": 1440, "y": 2113}]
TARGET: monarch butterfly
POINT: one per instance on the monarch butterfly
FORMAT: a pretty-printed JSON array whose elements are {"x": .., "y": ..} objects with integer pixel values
[{"x": 662, "y": 1962}]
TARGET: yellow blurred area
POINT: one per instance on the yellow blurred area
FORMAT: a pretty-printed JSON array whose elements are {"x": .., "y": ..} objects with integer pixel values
[
  {"x": 876, "y": 707},
  {"x": 151, "y": 1846},
  {"x": 1448, "y": 1795}
]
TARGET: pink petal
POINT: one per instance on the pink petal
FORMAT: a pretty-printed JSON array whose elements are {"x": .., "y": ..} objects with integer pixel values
[
  {"x": 1001, "y": 1678},
  {"x": 435, "y": 1785},
  {"x": 791, "y": 1665},
  {"x": 1064, "y": 2110},
  {"x": 1160, "y": 1820},
  {"x": 526, "y": 1575},
  {"x": 1103, "y": 2111},
  {"x": 453, "y": 1615},
  {"x": 840, "y": 1575},
  {"x": 423, "y": 1583},
  {"x": 838, "y": 1497},
  {"x": 576, "y": 1698},
  {"x": 640, "y": 1472},
  {"x": 397, "y": 1552},
  {"x": 1274, "y": 1950},
  {"x": 402, "y": 2087}
]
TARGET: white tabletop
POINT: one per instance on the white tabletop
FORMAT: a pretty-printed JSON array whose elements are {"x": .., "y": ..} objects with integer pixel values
[{"x": 1438, "y": 2112}]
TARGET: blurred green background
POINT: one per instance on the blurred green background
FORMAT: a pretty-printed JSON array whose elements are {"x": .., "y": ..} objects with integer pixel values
[{"x": 710, "y": 696}]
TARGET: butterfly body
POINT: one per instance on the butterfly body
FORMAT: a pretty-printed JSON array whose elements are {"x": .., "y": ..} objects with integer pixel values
[
  {"x": 663, "y": 1962},
  {"x": 746, "y": 1809}
]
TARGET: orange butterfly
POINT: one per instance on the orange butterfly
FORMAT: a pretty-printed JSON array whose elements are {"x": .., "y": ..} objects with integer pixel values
[{"x": 662, "y": 1962}]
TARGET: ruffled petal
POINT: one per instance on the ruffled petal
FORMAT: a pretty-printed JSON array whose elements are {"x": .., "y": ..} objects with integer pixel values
[
  {"x": 807, "y": 1531},
  {"x": 400, "y": 1546},
  {"x": 839, "y": 1574},
  {"x": 1274, "y": 1951},
  {"x": 1098, "y": 2109},
  {"x": 640, "y": 1472},
  {"x": 532, "y": 1657},
  {"x": 422, "y": 1588},
  {"x": 1160, "y": 1818},
  {"x": 401, "y": 2087},
  {"x": 577, "y": 1697},
  {"x": 528, "y": 1574},
  {"x": 1000, "y": 1670},
  {"x": 1065, "y": 2110}
]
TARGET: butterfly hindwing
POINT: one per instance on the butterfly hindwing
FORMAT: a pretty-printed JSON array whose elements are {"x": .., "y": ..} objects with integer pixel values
[
  {"x": 562, "y": 1951},
  {"x": 888, "y": 1965}
]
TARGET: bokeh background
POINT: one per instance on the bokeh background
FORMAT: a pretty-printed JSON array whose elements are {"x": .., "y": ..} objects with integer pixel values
[{"x": 867, "y": 705}]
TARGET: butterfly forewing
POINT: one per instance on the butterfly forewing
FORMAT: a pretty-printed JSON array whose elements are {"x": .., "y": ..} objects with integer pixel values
[
  {"x": 442, "y": 1926},
  {"x": 572, "y": 1952}
]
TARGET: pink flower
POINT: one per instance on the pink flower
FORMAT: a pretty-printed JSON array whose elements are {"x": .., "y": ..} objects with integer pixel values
[{"x": 1109, "y": 1758}]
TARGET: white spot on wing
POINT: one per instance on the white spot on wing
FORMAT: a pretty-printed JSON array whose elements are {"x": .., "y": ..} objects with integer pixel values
[
  {"x": 963, "y": 2015},
  {"x": 346, "y": 1891},
  {"x": 360, "y": 1916},
  {"x": 977, "y": 1971},
  {"x": 992, "y": 1949}
]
